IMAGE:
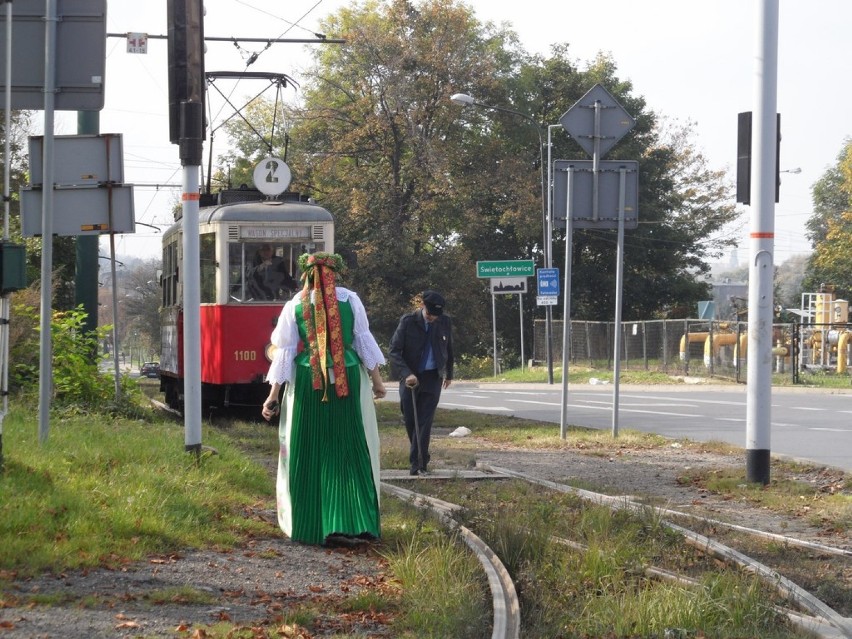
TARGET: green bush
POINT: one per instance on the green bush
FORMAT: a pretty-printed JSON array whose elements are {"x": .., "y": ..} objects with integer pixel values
[
  {"x": 473, "y": 367},
  {"x": 78, "y": 385}
]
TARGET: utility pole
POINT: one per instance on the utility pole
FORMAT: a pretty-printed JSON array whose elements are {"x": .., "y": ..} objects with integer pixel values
[
  {"x": 186, "y": 129},
  {"x": 762, "y": 246}
]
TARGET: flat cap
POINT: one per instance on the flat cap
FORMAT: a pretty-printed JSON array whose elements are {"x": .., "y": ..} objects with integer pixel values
[{"x": 434, "y": 302}]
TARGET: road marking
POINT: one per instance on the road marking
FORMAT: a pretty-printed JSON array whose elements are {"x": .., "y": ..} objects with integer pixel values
[
  {"x": 607, "y": 406},
  {"x": 472, "y": 407},
  {"x": 832, "y": 430},
  {"x": 656, "y": 412},
  {"x": 696, "y": 401},
  {"x": 807, "y": 408}
]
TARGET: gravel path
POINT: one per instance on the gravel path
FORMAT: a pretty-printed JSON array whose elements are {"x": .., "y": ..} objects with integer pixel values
[{"x": 250, "y": 586}]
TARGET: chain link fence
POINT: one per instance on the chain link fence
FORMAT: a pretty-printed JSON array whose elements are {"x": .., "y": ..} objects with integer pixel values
[{"x": 700, "y": 348}]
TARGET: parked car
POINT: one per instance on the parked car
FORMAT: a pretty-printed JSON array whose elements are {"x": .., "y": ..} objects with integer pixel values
[{"x": 150, "y": 369}]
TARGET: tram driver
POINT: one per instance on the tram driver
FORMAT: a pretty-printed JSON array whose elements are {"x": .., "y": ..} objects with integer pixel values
[{"x": 269, "y": 278}]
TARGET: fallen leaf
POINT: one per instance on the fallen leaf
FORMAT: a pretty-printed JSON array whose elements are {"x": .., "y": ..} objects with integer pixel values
[{"x": 127, "y": 624}]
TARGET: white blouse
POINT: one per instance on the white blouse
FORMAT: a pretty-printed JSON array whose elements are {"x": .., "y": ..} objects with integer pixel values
[{"x": 286, "y": 337}]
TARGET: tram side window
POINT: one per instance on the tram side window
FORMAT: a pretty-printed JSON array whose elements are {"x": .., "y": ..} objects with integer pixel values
[
  {"x": 170, "y": 274},
  {"x": 207, "y": 253},
  {"x": 236, "y": 268}
]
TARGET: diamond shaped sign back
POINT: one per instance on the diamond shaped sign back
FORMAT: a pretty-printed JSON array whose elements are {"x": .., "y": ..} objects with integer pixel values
[{"x": 579, "y": 120}]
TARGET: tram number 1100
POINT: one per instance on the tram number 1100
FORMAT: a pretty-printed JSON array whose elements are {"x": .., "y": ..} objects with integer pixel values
[{"x": 245, "y": 356}]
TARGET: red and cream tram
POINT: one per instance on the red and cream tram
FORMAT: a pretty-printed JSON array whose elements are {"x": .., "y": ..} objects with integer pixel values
[{"x": 249, "y": 245}]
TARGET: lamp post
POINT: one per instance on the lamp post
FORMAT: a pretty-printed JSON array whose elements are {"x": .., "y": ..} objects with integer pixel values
[{"x": 466, "y": 100}]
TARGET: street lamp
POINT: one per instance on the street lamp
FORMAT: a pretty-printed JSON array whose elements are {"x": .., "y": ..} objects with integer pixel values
[{"x": 466, "y": 100}]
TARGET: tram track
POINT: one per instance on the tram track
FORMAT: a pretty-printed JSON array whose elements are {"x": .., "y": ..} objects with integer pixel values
[
  {"x": 504, "y": 598},
  {"x": 822, "y": 621}
]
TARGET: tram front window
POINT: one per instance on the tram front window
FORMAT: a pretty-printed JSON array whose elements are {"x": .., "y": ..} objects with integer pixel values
[{"x": 261, "y": 272}]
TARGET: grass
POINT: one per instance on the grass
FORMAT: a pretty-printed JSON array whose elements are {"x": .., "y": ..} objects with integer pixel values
[
  {"x": 581, "y": 373},
  {"x": 443, "y": 588},
  {"x": 104, "y": 493},
  {"x": 827, "y": 504},
  {"x": 598, "y": 587}
]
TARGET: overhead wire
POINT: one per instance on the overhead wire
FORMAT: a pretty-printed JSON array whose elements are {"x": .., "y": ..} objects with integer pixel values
[{"x": 250, "y": 60}]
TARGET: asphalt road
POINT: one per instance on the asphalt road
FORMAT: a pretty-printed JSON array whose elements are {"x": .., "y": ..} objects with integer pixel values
[{"x": 806, "y": 424}]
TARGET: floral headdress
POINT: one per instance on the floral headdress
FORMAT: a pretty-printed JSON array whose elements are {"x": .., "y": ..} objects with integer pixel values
[{"x": 322, "y": 319}]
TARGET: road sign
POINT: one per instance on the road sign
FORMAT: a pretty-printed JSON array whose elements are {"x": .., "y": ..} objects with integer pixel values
[
  {"x": 548, "y": 281},
  {"x": 80, "y": 55},
  {"x": 505, "y": 268},
  {"x": 546, "y": 300},
  {"x": 579, "y": 120},
  {"x": 609, "y": 179},
  {"x": 508, "y": 285},
  {"x": 80, "y": 211},
  {"x": 137, "y": 43}
]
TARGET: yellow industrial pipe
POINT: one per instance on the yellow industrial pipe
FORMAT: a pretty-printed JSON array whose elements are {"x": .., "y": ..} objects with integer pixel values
[
  {"x": 842, "y": 344},
  {"x": 719, "y": 340},
  {"x": 689, "y": 338},
  {"x": 741, "y": 348}
]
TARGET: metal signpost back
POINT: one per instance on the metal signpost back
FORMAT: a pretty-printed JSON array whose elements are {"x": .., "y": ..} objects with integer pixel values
[{"x": 596, "y": 194}]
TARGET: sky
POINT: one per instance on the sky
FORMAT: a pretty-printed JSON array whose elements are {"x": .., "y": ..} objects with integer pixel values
[{"x": 692, "y": 61}]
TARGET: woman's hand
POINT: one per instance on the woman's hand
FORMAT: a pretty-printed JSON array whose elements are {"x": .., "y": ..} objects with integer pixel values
[
  {"x": 379, "y": 391},
  {"x": 271, "y": 407}
]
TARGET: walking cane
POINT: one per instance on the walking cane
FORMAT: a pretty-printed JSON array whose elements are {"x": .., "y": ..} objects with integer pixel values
[{"x": 413, "y": 388}]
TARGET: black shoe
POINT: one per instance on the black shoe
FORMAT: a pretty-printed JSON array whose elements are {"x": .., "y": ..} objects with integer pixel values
[
  {"x": 414, "y": 471},
  {"x": 337, "y": 540}
]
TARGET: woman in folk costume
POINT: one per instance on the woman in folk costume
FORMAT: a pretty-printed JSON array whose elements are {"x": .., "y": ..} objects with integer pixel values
[{"x": 328, "y": 463}]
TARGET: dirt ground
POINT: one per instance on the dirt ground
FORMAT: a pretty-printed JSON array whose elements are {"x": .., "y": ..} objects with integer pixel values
[{"x": 252, "y": 586}]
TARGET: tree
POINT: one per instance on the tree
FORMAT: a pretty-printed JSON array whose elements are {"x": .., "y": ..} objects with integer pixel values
[
  {"x": 259, "y": 133},
  {"x": 377, "y": 144},
  {"x": 421, "y": 190},
  {"x": 830, "y": 228},
  {"x": 142, "y": 305},
  {"x": 683, "y": 203},
  {"x": 789, "y": 277},
  {"x": 830, "y": 198}
]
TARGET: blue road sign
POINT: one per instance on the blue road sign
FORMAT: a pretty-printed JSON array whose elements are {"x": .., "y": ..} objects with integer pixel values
[{"x": 548, "y": 281}]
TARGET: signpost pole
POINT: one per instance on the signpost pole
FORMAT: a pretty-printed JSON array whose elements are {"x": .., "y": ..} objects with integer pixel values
[
  {"x": 596, "y": 161},
  {"x": 521, "y": 305},
  {"x": 494, "y": 329},
  {"x": 45, "y": 379},
  {"x": 619, "y": 290},
  {"x": 566, "y": 308}
]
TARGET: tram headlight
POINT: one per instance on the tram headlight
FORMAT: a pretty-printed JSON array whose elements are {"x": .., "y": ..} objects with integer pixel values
[{"x": 269, "y": 351}]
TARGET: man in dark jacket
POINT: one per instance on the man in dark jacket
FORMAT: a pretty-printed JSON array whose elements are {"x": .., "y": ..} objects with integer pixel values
[{"x": 421, "y": 357}]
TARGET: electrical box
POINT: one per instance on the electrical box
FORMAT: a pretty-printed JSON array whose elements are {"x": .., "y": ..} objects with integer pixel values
[{"x": 13, "y": 267}]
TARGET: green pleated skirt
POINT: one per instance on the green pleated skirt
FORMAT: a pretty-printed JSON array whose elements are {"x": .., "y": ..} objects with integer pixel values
[{"x": 328, "y": 464}]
